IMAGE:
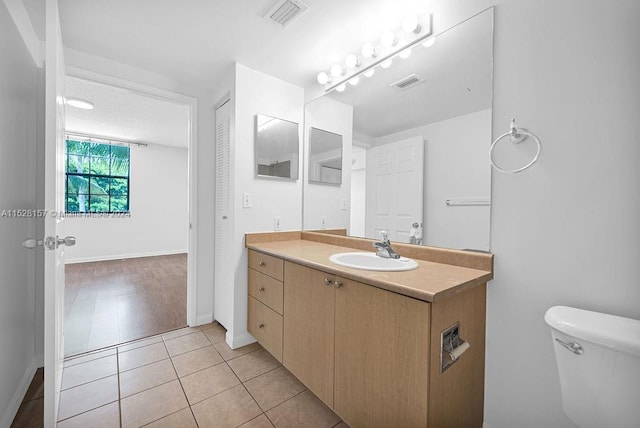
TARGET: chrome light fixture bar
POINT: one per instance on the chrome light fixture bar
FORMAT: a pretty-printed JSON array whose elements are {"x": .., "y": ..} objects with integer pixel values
[{"x": 422, "y": 30}]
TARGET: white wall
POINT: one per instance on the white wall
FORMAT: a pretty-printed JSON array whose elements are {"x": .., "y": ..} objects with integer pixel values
[
  {"x": 322, "y": 200},
  {"x": 358, "y": 190},
  {"x": 19, "y": 82},
  {"x": 258, "y": 93},
  {"x": 205, "y": 133},
  {"x": 159, "y": 217},
  {"x": 455, "y": 167}
]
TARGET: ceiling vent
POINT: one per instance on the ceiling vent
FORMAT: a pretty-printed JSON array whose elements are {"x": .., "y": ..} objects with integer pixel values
[
  {"x": 284, "y": 12},
  {"x": 408, "y": 82}
]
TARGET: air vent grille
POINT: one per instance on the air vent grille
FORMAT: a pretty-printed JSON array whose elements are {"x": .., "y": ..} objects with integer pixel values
[
  {"x": 408, "y": 82},
  {"x": 284, "y": 12}
]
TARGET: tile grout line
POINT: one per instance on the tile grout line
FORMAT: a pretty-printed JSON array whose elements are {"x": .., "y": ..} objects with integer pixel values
[{"x": 184, "y": 392}]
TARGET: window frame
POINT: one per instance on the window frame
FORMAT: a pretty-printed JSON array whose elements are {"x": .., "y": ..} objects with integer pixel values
[{"x": 90, "y": 175}]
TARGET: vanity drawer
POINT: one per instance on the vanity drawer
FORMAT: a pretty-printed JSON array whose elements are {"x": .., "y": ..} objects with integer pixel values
[
  {"x": 266, "y": 326},
  {"x": 264, "y": 263},
  {"x": 266, "y": 290}
]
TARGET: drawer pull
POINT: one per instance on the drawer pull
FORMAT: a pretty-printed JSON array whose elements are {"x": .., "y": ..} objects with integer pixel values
[
  {"x": 338, "y": 284},
  {"x": 327, "y": 281},
  {"x": 261, "y": 326},
  {"x": 262, "y": 263},
  {"x": 261, "y": 289}
]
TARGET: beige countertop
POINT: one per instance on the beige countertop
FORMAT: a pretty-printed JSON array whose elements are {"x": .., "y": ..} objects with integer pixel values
[{"x": 430, "y": 282}]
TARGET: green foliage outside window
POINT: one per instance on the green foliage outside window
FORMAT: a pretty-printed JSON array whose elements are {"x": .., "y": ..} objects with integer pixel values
[{"x": 97, "y": 177}]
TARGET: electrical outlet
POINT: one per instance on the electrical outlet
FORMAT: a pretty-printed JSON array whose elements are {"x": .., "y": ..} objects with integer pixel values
[
  {"x": 276, "y": 223},
  {"x": 247, "y": 200},
  {"x": 344, "y": 204},
  {"x": 323, "y": 222}
]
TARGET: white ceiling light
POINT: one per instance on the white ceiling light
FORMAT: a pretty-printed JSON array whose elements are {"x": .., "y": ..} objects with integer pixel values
[
  {"x": 79, "y": 103},
  {"x": 387, "y": 63},
  {"x": 337, "y": 70},
  {"x": 354, "y": 81},
  {"x": 370, "y": 72},
  {"x": 341, "y": 88},
  {"x": 388, "y": 39},
  {"x": 352, "y": 61},
  {"x": 323, "y": 78}
]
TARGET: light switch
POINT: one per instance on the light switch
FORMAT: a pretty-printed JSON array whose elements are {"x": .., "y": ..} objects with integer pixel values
[
  {"x": 344, "y": 204},
  {"x": 323, "y": 222},
  {"x": 276, "y": 223},
  {"x": 247, "y": 200}
]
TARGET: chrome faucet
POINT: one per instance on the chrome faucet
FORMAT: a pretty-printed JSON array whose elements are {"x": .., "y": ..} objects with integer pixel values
[{"x": 383, "y": 248}]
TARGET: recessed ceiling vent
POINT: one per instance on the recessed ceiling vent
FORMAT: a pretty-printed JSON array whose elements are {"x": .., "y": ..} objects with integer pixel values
[
  {"x": 284, "y": 12},
  {"x": 408, "y": 82}
]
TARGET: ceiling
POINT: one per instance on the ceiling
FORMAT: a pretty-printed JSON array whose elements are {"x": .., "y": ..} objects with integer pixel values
[
  {"x": 197, "y": 40},
  {"x": 126, "y": 115}
]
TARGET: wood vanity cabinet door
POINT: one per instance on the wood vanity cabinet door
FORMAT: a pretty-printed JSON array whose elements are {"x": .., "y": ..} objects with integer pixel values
[
  {"x": 381, "y": 357},
  {"x": 308, "y": 339}
]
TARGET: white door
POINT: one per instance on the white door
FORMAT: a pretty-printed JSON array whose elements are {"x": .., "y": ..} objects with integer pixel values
[
  {"x": 394, "y": 188},
  {"x": 53, "y": 223}
]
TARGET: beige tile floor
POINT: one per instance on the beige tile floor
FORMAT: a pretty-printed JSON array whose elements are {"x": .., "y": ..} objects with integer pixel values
[{"x": 187, "y": 378}]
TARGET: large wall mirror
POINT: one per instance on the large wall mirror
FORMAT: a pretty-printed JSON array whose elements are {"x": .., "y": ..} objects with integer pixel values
[
  {"x": 416, "y": 137},
  {"x": 277, "y": 148}
]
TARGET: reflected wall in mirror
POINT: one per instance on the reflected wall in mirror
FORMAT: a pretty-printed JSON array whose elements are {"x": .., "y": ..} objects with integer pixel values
[
  {"x": 325, "y": 157},
  {"x": 419, "y": 141},
  {"x": 277, "y": 148}
]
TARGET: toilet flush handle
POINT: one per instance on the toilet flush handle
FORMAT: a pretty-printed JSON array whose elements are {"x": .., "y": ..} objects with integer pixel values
[{"x": 574, "y": 347}]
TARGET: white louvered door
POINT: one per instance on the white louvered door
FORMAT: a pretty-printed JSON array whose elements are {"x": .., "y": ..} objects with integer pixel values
[{"x": 223, "y": 222}]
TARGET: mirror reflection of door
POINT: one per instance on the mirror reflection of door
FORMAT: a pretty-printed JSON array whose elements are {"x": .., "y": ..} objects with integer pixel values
[{"x": 394, "y": 178}]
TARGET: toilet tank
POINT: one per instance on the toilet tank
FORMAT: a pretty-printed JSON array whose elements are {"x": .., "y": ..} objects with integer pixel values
[{"x": 598, "y": 358}]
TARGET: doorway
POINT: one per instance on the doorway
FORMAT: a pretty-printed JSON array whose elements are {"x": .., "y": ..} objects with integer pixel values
[{"x": 129, "y": 203}]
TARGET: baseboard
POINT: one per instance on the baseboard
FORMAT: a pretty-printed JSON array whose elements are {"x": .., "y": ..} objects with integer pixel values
[
  {"x": 203, "y": 319},
  {"x": 12, "y": 409},
  {"x": 237, "y": 341},
  {"x": 124, "y": 256},
  {"x": 39, "y": 360}
]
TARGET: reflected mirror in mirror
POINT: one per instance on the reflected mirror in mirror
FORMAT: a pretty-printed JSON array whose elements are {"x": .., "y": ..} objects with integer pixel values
[
  {"x": 325, "y": 157},
  {"x": 417, "y": 157},
  {"x": 277, "y": 148}
]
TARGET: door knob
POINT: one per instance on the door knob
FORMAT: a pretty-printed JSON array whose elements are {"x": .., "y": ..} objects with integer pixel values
[
  {"x": 327, "y": 281},
  {"x": 338, "y": 284},
  {"x": 50, "y": 243}
]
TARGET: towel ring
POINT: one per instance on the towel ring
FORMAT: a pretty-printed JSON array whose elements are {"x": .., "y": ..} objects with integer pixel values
[{"x": 517, "y": 135}]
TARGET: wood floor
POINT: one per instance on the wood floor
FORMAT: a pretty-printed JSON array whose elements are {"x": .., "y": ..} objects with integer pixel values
[{"x": 116, "y": 301}]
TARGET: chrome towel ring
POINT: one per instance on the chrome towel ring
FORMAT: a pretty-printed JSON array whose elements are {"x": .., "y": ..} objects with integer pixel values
[{"x": 516, "y": 135}]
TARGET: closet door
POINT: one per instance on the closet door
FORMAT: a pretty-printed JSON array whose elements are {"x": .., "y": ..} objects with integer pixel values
[{"x": 223, "y": 216}]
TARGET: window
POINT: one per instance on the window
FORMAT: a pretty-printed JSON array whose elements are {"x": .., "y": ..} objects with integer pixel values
[{"x": 97, "y": 177}]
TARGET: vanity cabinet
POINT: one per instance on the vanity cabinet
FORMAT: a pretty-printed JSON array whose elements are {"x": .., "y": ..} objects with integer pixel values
[{"x": 371, "y": 355}]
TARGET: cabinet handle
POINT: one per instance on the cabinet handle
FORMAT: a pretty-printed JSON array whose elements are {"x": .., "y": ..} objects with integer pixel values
[
  {"x": 338, "y": 284},
  {"x": 262, "y": 263},
  {"x": 261, "y": 289},
  {"x": 261, "y": 326},
  {"x": 327, "y": 281}
]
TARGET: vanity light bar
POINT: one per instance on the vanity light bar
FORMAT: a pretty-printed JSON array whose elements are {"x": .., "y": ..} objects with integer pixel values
[{"x": 422, "y": 31}]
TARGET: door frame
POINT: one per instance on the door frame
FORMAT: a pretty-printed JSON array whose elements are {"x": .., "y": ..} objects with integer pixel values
[{"x": 192, "y": 102}]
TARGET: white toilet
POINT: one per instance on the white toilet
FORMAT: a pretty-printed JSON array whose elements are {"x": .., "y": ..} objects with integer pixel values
[{"x": 598, "y": 357}]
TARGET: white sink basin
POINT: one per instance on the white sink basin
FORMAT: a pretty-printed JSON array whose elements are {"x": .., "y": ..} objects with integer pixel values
[{"x": 369, "y": 261}]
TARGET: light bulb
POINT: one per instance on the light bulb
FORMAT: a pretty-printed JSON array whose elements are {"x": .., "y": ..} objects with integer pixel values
[
  {"x": 369, "y": 50},
  {"x": 405, "y": 53},
  {"x": 386, "y": 64},
  {"x": 369, "y": 72},
  {"x": 341, "y": 88},
  {"x": 429, "y": 42},
  {"x": 323, "y": 78},
  {"x": 410, "y": 24},
  {"x": 352, "y": 61},
  {"x": 354, "y": 81},
  {"x": 336, "y": 70},
  {"x": 388, "y": 39}
]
